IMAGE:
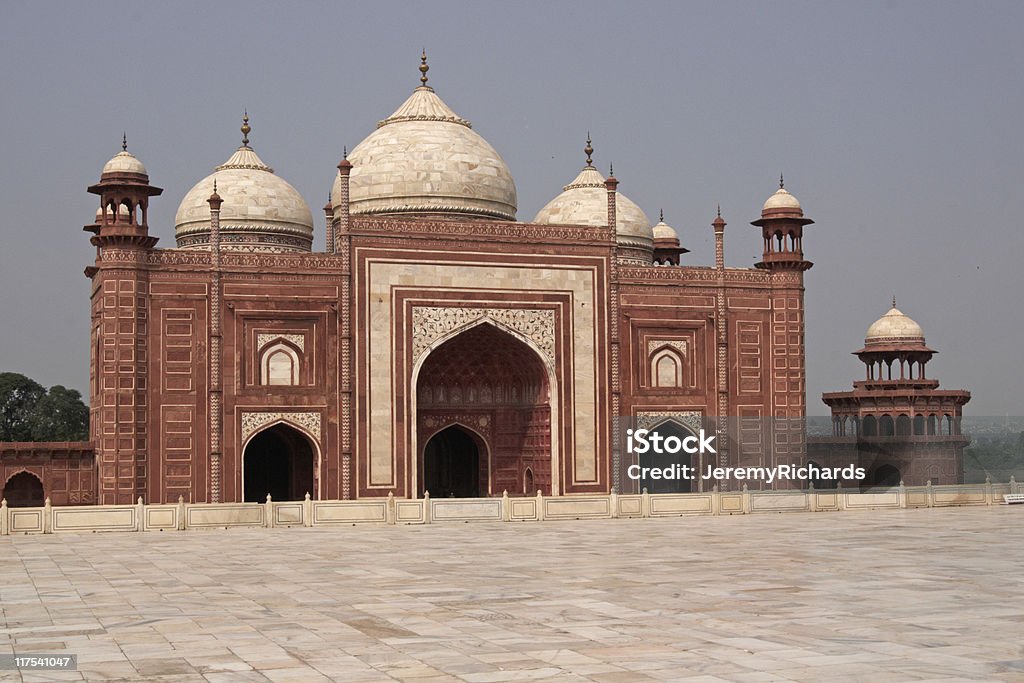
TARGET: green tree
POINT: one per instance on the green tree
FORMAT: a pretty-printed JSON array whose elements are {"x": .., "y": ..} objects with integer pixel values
[
  {"x": 18, "y": 398},
  {"x": 60, "y": 415}
]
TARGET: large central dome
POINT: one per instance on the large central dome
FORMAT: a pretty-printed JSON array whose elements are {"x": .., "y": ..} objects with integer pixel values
[{"x": 426, "y": 159}]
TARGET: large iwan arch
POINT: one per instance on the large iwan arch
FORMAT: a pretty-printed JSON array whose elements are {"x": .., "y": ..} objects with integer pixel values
[{"x": 497, "y": 390}]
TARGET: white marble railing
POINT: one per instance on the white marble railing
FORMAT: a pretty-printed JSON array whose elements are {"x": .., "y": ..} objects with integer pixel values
[{"x": 321, "y": 513}]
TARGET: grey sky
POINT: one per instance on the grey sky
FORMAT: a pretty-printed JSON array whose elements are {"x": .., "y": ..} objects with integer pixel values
[{"x": 898, "y": 125}]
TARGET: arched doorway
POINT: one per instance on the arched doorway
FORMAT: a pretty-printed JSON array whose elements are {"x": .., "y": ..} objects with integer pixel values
[
  {"x": 498, "y": 385},
  {"x": 452, "y": 464},
  {"x": 24, "y": 490},
  {"x": 887, "y": 475},
  {"x": 280, "y": 461},
  {"x": 672, "y": 435}
]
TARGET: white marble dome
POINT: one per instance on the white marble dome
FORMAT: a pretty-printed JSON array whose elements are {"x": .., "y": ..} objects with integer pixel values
[
  {"x": 261, "y": 211},
  {"x": 664, "y": 231},
  {"x": 425, "y": 158},
  {"x": 124, "y": 162},
  {"x": 892, "y": 328},
  {"x": 782, "y": 200},
  {"x": 584, "y": 201}
]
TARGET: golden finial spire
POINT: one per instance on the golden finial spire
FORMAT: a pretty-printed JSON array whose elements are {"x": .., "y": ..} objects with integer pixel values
[
  {"x": 782, "y": 183},
  {"x": 423, "y": 68},
  {"x": 245, "y": 129},
  {"x": 589, "y": 151},
  {"x": 124, "y": 142},
  {"x": 661, "y": 215}
]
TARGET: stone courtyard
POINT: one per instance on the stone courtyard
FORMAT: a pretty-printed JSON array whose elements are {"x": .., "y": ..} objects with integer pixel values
[{"x": 932, "y": 594}]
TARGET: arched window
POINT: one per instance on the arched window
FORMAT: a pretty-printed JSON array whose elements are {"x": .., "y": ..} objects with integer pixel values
[
  {"x": 903, "y": 425},
  {"x": 667, "y": 368},
  {"x": 886, "y": 426},
  {"x": 919, "y": 425},
  {"x": 870, "y": 426},
  {"x": 528, "y": 481},
  {"x": 279, "y": 365}
]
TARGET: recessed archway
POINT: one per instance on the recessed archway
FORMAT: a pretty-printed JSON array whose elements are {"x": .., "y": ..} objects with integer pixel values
[
  {"x": 491, "y": 379},
  {"x": 280, "y": 461},
  {"x": 887, "y": 475},
  {"x": 24, "y": 489},
  {"x": 454, "y": 463},
  {"x": 672, "y": 435}
]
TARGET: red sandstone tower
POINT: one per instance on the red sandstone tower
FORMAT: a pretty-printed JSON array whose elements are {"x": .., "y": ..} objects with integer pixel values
[
  {"x": 896, "y": 422},
  {"x": 119, "y": 386}
]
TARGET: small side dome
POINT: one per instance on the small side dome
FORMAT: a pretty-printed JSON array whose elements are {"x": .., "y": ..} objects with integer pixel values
[
  {"x": 782, "y": 204},
  {"x": 584, "y": 201},
  {"x": 664, "y": 231},
  {"x": 124, "y": 166},
  {"x": 895, "y": 327},
  {"x": 260, "y": 210},
  {"x": 122, "y": 211},
  {"x": 124, "y": 162}
]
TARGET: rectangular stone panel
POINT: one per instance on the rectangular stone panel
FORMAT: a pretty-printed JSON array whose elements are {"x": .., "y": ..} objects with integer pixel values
[
  {"x": 577, "y": 508},
  {"x": 161, "y": 517},
  {"x": 466, "y": 509},
  {"x": 214, "y": 515},
  {"x": 95, "y": 518},
  {"x": 680, "y": 504},
  {"x": 348, "y": 512}
]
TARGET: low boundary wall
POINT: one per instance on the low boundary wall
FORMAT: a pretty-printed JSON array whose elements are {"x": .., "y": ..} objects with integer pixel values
[{"x": 180, "y": 516}]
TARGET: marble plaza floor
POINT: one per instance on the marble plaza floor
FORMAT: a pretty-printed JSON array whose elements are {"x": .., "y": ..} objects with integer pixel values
[{"x": 909, "y": 595}]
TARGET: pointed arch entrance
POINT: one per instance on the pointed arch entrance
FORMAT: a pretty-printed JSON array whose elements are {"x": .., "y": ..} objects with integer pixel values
[
  {"x": 455, "y": 463},
  {"x": 281, "y": 461},
  {"x": 24, "y": 489},
  {"x": 672, "y": 434},
  {"x": 498, "y": 384}
]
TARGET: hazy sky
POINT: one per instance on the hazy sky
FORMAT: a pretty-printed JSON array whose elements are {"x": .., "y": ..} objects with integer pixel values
[{"x": 898, "y": 125}]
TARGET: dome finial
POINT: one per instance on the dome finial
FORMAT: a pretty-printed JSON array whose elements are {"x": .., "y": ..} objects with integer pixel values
[
  {"x": 894, "y": 301},
  {"x": 661, "y": 215},
  {"x": 246, "y": 128},
  {"x": 782, "y": 183},
  {"x": 124, "y": 142},
  {"x": 611, "y": 169},
  {"x": 215, "y": 186},
  {"x": 423, "y": 68},
  {"x": 589, "y": 151},
  {"x": 344, "y": 151},
  {"x": 719, "y": 210}
]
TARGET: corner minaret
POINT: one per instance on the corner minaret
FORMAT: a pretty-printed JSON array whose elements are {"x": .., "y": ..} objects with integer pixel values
[
  {"x": 782, "y": 224},
  {"x": 118, "y": 397},
  {"x": 124, "y": 192}
]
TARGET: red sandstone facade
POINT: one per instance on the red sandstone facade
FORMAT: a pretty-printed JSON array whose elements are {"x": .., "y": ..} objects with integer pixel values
[{"x": 426, "y": 351}]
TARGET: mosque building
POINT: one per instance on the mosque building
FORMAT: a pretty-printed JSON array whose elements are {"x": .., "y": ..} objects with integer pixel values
[{"x": 438, "y": 344}]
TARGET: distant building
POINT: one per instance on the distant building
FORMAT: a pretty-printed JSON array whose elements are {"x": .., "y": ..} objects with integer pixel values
[{"x": 896, "y": 423}]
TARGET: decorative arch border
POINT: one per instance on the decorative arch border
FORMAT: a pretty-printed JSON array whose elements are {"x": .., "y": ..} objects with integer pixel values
[
  {"x": 306, "y": 423},
  {"x": 434, "y": 325},
  {"x": 26, "y": 471},
  {"x": 459, "y": 322},
  {"x": 690, "y": 419}
]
